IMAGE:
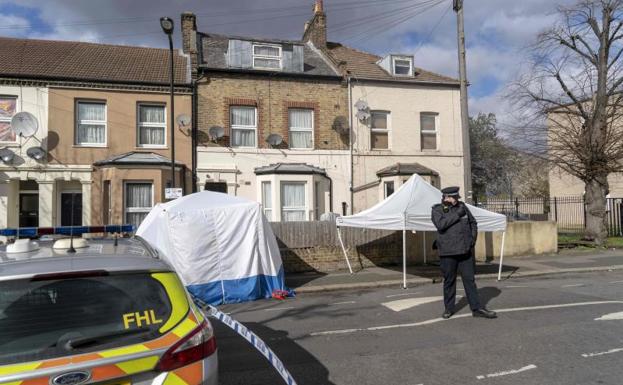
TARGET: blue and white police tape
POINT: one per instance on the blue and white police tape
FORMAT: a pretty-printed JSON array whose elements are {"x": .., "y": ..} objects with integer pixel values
[{"x": 251, "y": 337}]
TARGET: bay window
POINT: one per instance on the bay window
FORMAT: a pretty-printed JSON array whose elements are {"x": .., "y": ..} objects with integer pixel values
[
  {"x": 293, "y": 201},
  {"x": 139, "y": 199}
]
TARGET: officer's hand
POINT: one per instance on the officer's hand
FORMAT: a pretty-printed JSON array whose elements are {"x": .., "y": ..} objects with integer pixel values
[{"x": 461, "y": 211}]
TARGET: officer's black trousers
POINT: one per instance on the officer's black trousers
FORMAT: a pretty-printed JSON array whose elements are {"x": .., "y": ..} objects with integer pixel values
[{"x": 465, "y": 264}]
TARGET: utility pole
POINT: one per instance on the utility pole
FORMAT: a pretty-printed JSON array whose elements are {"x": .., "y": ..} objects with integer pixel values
[{"x": 467, "y": 159}]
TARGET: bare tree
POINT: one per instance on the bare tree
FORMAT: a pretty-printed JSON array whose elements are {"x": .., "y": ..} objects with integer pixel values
[{"x": 570, "y": 99}]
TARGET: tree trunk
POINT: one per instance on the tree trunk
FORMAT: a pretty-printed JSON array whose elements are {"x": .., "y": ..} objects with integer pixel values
[{"x": 596, "y": 219}]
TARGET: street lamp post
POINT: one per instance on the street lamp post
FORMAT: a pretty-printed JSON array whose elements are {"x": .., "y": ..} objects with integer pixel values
[{"x": 167, "y": 26}]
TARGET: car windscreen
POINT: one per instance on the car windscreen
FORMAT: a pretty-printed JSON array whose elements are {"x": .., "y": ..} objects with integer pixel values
[{"x": 42, "y": 319}]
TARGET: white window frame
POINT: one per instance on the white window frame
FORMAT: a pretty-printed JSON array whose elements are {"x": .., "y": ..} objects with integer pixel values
[
  {"x": 300, "y": 129},
  {"x": 8, "y": 120},
  {"x": 268, "y": 211},
  {"x": 127, "y": 209},
  {"x": 300, "y": 208},
  {"x": 436, "y": 131},
  {"x": 402, "y": 58},
  {"x": 233, "y": 127},
  {"x": 381, "y": 130},
  {"x": 94, "y": 122},
  {"x": 139, "y": 124},
  {"x": 268, "y": 57}
]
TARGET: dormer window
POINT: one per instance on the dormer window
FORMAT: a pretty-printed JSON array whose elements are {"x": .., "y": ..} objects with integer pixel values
[
  {"x": 266, "y": 56},
  {"x": 402, "y": 66}
]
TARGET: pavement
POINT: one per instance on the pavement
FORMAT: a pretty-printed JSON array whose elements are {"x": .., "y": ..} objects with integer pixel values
[
  {"x": 559, "y": 329},
  {"x": 567, "y": 261}
]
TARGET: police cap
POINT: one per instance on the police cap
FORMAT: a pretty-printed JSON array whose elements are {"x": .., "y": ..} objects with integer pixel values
[{"x": 452, "y": 191}]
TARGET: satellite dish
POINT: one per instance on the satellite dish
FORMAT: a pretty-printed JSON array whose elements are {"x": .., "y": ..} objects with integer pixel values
[
  {"x": 36, "y": 153},
  {"x": 6, "y": 155},
  {"x": 361, "y": 105},
  {"x": 24, "y": 124},
  {"x": 183, "y": 120},
  {"x": 216, "y": 132},
  {"x": 274, "y": 139},
  {"x": 362, "y": 115},
  {"x": 340, "y": 124}
]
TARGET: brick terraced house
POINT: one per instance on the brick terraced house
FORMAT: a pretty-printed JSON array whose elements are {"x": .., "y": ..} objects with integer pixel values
[
  {"x": 276, "y": 118},
  {"x": 104, "y": 129}
]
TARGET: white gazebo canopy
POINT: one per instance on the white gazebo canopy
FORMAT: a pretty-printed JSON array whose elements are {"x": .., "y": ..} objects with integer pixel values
[{"x": 409, "y": 208}]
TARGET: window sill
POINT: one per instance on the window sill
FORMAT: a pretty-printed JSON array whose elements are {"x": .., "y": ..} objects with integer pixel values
[
  {"x": 90, "y": 146},
  {"x": 152, "y": 147}
]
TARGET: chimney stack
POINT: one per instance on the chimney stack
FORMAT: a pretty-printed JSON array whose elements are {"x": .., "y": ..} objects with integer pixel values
[
  {"x": 316, "y": 28},
  {"x": 189, "y": 40}
]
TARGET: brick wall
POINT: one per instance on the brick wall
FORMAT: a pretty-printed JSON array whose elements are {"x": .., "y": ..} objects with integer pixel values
[{"x": 273, "y": 96}]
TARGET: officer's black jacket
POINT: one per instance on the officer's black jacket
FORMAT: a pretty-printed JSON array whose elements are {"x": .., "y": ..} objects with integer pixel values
[{"x": 456, "y": 235}]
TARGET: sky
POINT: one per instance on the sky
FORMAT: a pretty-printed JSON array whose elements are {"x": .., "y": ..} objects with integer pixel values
[{"x": 497, "y": 32}]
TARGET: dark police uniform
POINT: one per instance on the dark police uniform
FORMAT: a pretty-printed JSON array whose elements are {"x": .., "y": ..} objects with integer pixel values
[{"x": 457, "y": 233}]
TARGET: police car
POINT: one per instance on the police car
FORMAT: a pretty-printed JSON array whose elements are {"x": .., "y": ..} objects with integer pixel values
[{"x": 106, "y": 311}]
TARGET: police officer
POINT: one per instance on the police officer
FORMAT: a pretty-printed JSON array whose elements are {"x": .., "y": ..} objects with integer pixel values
[{"x": 457, "y": 231}]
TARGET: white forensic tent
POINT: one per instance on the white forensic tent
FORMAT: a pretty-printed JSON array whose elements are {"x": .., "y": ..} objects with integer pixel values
[
  {"x": 409, "y": 208},
  {"x": 222, "y": 246}
]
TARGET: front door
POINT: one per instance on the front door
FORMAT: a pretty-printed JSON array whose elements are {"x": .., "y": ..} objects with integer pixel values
[
  {"x": 28, "y": 210},
  {"x": 71, "y": 216}
]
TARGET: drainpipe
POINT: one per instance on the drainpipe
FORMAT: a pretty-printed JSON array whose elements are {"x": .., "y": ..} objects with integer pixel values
[
  {"x": 350, "y": 142},
  {"x": 193, "y": 138},
  {"x": 194, "y": 131}
]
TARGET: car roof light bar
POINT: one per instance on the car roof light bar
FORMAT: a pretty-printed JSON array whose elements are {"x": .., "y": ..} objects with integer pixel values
[{"x": 65, "y": 230}]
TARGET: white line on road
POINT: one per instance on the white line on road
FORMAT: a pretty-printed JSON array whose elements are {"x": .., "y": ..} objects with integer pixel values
[
  {"x": 408, "y": 303},
  {"x": 515, "y": 286},
  {"x": 342, "y": 303},
  {"x": 573, "y": 285},
  {"x": 586, "y": 355},
  {"x": 402, "y": 295},
  {"x": 436, "y": 320},
  {"x": 610, "y": 317},
  {"x": 507, "y": 372},
  {"x": 279, "y": 308},
  {"x": 613, "y": 282}
]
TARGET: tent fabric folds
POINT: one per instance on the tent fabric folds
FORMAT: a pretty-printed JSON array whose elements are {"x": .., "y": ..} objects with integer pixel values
[
  {"x": 222, "y": 246},
  {"x": 409, "y": 208}
]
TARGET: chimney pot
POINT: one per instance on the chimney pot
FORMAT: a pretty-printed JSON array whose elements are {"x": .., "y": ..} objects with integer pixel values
[{"x": 318, "y": 7}]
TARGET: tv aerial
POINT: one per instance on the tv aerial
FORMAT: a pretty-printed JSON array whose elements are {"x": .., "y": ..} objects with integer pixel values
[
  {"x": 24, "y": 124},
  {"x": 274, "y": 139},
  {"x": 183, "y": 120},
  {"x": 363, "y": 115},
  {"x": 361, "y": 105},
  {"x": 216, "y": 132}
]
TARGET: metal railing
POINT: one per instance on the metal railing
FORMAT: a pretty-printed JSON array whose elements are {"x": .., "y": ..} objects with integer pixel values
[{"x": 568, "y": 212}]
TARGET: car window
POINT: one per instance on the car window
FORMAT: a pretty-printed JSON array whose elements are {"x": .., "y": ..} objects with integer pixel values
[{"x": 42, "y": 319}]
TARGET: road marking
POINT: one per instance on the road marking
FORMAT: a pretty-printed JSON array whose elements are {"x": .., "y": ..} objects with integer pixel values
[
  {"x": 515, "y": 286},
  {"x": 615, "y": 282},
  {"x": 436, "y": 320},
  {"x": 507, "y": 372},
  {"x": 587, "y": 355},
  {"x": 280, "y": 308},
  {"x": 573, "y": 285},
  {"x": 342, "y": 303},
  {"x": 610, "y": 317},
  {"x": 401, "y": 295},
  {"x": 408, "y": 303}
]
